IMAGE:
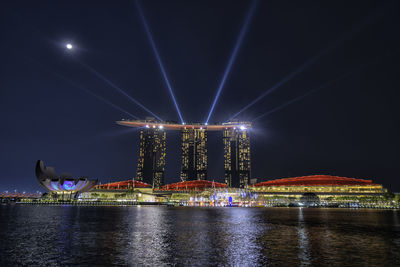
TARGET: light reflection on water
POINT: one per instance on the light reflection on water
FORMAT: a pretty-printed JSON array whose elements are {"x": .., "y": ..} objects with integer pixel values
[
  {"x": 304, "y": 254},
  {"x": 160, "y": 236}
]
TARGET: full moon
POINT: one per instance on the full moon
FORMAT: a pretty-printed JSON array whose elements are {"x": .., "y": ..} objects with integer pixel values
[{"x": 68, "y": 46}]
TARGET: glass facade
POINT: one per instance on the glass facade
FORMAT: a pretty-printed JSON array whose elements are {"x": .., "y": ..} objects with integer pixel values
[
  {"x": 194, "y": 154},
  {"x": 237, "y": 157},
  {"x": 151, "y": 161}
]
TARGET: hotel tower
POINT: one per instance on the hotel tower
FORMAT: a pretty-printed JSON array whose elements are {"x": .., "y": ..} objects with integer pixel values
[
  {"x": 237, "y": 156},
  {"x": 151, "y": 162},
  {"x": 194, "y": 154}
]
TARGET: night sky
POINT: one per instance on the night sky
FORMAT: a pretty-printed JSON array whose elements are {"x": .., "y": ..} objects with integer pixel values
[{"x": 348, "y": 128}]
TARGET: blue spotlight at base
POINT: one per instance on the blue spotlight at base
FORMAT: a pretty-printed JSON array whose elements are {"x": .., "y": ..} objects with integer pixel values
[
  {"x": 117, "y": 88},
  {"x": 157, "y": 55},
  {"x": 233, "y": 56}
]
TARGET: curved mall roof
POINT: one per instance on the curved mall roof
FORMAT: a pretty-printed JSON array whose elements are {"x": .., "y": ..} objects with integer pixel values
[
  {"x": 123, "y": 185},
  {"x": 177, "y": 126},
  {"x": 315, "y": 180},
  {"x": 193, "y": 185}
]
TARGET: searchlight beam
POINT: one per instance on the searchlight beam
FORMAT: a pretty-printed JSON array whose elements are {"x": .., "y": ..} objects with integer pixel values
[
  {"x": 233, "y": 56},
  {"x": 110, "y": 83},
  {"x": 325, "y": 85},
  {"x": 95, "y": 95},
  {"x": 81, "y": 87},
  {"x": 157, "y": 55},
  {"x": 347, "y": 35}
]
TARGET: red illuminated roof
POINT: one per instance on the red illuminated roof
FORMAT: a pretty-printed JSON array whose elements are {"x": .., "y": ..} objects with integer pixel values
[
  {"x": 177, "y": 126},
  {"x": 193, "y": 185},
  {"x": 314, "y": 180},
  {"x": 122, "y": 185}
]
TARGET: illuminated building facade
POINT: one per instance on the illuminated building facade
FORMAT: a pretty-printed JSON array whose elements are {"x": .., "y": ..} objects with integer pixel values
[
  {"x": 194, "y": 150},
  {"x": 237, "y": 156},
  {"x": 123, "y": 185},
  {"x": 196, "y": 185},
  {"x": 63, "y": 186},
  {"x": 194, "y": 154},
  {"x": 315, "y": 190},
  {"x": 319, "y": 184},
  {"x": 151, "y": 161}
]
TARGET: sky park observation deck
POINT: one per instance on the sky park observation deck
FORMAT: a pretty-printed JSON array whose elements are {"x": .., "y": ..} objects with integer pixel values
[{"x": 152, "y": 150}]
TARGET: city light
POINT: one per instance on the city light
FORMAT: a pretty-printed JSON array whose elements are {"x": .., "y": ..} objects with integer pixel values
[
  {"x": 243, "y": 128},
  {"x": 233, "y": 55},
  {"x": 147, "y": 126},
  {"x": 157, "y": 55},
  {"x": 160, "y": 127},
  {"x": 151, "y": 163}
]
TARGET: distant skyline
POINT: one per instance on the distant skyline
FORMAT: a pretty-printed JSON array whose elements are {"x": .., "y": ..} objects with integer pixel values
[{"x": 319, "y": 81}]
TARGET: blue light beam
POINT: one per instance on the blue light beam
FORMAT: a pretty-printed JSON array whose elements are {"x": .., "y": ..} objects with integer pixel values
[
  {"x": 157, "y": 55},
  {"x": 285, "y": 105},
  {"x": 80, "y": 87},
  {"x": 238, "y": 43},
  {"x": 95, "y": 95},
  {"x": 347, "y": 35},
  {"x": 325, "y": 85},
  {"x": 110, "y": 83}
]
